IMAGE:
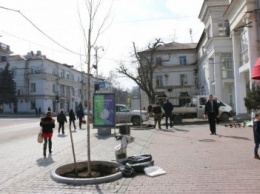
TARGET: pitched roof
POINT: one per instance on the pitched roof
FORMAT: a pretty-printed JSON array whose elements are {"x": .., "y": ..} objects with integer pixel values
[
  {"x": 177, "y": 46},
  {"x": 173, "y": 46}
]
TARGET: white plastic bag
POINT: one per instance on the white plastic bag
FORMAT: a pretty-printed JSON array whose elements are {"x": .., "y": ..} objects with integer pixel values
[{"x": 154, "y": 171}]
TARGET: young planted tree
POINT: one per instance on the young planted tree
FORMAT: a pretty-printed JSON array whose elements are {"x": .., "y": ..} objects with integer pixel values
[
  {"x": 145, "y": 66},
  {"x": 7, "y": 86},
  {"x": 95, "y": 27}
]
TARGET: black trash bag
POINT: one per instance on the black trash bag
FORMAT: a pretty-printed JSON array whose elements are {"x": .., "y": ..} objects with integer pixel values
[
  {"x": 127, "y": 171},
  {"x": 138, "y": 159},
  {"x": 139, "y": 167}
]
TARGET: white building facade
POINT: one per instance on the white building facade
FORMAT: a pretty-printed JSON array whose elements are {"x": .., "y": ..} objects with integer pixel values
[
  {"x": 244, "y": 19},
  {"x": 175, "y": 77},
  {"x": 43, "y": 83},
  {"x": 215, "y": 64}
]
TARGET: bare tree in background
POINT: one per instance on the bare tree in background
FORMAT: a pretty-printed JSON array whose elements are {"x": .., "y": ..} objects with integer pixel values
[
  {"x": 146, "y": 65},
  {"x": 96, "y": 26}
]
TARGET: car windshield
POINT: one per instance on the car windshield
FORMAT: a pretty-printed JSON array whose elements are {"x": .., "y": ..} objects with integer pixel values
[{"x": 122, "y": 109}]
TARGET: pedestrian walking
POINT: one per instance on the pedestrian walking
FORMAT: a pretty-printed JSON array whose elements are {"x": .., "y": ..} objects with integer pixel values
[
  {"x": 36, "y": 112},
  {"x": 49, "y": 109},
  {"x": 72, "y": 118},
  {"x": 80, "y": 116},
  {"x": 211, "y": 110},
  {"x": 168, "y": 108},
  {"x": 150, "y": 110},
  {"x": 40, "y": 111},
  {"x": 256, "y": 130},
  {"x": 47, "y": 124},
  {"x": 61, "y": 118},
  {"x": 157, "y": 110}
]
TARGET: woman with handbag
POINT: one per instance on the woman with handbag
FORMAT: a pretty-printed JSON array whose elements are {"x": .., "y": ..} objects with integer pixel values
[{"x": 47, "y": 124}]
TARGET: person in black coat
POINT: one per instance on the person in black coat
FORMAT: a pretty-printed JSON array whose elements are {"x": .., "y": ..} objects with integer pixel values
[
  {"x": 80, "y": 116},
  {"x": 211, "y": 110},
  {"x": 256, "y": 130},
  {"x": 168, "y": 108},
  {"x": 72, "y": 118},
  {"x": 157, "y": 110},
  {"x": 61, "y": 118},
  {"x": 47, "y": 124}
]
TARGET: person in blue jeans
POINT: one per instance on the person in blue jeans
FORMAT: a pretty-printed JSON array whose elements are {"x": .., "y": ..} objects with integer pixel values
[{"x": 256, "y": 130}]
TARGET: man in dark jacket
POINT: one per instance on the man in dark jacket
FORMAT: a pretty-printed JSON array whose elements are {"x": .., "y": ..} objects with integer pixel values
[
  {"x": 61, "y": 118},
  {"x": 157, "y": 110},
  {"x": 211, "y": 109},
  {"x": 80, "y": 115},
  {"x": 168, "y": 108}
]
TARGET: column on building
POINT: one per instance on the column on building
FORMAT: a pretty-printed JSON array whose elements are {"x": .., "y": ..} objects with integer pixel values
[
  {"x": 239, "y": 80},
  {"x": 253, "y": 40},
  {"x": 218, "y": 76}
]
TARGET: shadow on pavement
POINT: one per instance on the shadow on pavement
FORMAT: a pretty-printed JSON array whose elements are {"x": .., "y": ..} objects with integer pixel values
[
  {"x": 104, "y": 136},
  {"x": 61, "y": 135},
  {"x": 181, "y": 130},
  {"x": 236, "y": 137},
  {"x": 207, "y": 140},
  {"x": 45, "y": 161}
]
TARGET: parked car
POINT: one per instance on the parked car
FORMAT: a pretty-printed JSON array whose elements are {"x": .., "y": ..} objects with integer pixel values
[
  {"x": 124, "y": 114},
  {"x": 86, "y": 112}
]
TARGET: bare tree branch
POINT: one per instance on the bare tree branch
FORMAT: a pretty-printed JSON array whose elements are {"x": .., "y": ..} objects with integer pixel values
[{"x": 146, "y": 67}]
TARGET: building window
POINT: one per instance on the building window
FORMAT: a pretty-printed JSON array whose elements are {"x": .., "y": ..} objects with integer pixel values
[
  {"x": 159, "y": 80},
  {"x": 223, "y": 29},
  {"x": 62, "y": 73},
  {"x": 53, "y": 88},
  {"x": 183, "y": 60},
  {"x": 33, "y": 105},
  {"x": 183, "y": 79},
  {"x": 211, "y": 69},
  {"x": 67, "y": 90},
  {"x": 227, "y": 65},
  {"x": 243, "y": 46},
  {"x": 18, "y": 93},
  {"x": 73, "y": 91},
  {"x": 158, "y": 61},
  {"x": 33, "y": 87},
  {"x": 62, "y": 89}
]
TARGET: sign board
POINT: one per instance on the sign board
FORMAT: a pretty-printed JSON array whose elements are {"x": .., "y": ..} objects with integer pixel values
[
  {"x": 104, "y": 110},
  {"x": 102, "y": 84}
]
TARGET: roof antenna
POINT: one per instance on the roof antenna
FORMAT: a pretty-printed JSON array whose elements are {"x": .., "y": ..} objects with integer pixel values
[{"x": 191, "y": 39}]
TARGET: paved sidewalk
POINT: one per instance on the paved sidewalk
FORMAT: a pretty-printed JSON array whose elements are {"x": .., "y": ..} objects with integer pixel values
[{"x": 195, "y": 162}]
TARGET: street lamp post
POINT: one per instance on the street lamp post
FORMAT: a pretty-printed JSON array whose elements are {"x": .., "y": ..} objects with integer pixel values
[{"x": 96, "y": 65}]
